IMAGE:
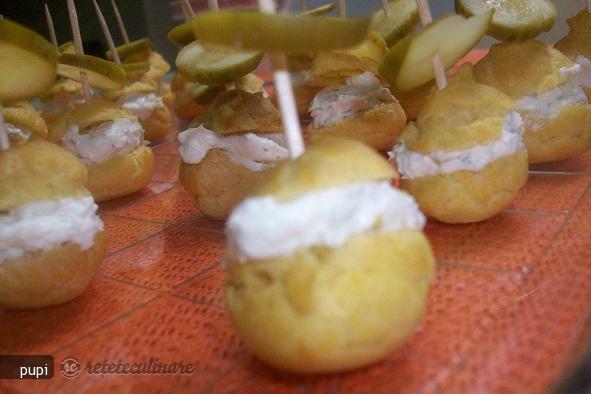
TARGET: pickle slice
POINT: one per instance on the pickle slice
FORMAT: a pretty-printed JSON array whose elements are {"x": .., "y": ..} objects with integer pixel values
[
  {"x": 513, "y": 19},
  {"x": 135, "y": 70},
  {"x": 401, "y": 20},
  {"x": 182, "y": 34},
  {"x": 408, "y": 63},
  {"x": 254, "y": 30},
  {"x": 215, "y": 66},
  {"x": 67, "y": 47},
  {"x": 140, "y": 50},
  {"x": 319, "y": 11},
  {"x": 101, "y": 73},
  {"x": 204, "y": 94},
  {"x": 27, "y": 62}
]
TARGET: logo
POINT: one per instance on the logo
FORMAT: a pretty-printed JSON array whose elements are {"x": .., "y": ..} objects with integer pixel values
[{"x": 70, "y": 367}]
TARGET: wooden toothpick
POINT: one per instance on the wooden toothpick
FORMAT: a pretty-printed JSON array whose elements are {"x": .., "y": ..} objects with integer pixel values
[
  {"x": 342, "y": 8},
  {"x": 106, "y": 32},
  {"x": 50, "y": 26},
  {"x": 304, "y": 5},
  {"x": 213, "y": 5},
  {"x": 386, "y": 7},
  {"x": 120, "y": 23},
  {"x": 436, "y": 61},
  {"x": 186, "y": 6},
  {"x": 286, "y": 99},
  {"x": 4, "y": 141},
  {"x": 79, "y": 49}
]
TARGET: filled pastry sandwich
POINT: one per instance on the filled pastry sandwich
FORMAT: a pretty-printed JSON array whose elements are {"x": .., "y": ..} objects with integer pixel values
[{"x": 343, "y": 280}]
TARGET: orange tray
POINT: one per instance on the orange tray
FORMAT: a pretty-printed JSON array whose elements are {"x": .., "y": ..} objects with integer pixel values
[{"x": 508, "y": 312}]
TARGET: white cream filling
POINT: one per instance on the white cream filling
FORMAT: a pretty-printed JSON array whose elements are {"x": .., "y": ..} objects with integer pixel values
[
  {"x": 17, "y": 133},
  {"x": 104, "y": 140},
  {"x": 262, "y": 227},
  {"x": 301, "y": 77},
  {"x": 360, "y": 93},
  {"x": 413, "y": 164},
  {"x": 253, "y": 151},
  {"x": 585, "y": 74},
  {"x": 548, "y": 104},
  {"x": 141, "y": 104},
  {"x": 43, "y": 225}
]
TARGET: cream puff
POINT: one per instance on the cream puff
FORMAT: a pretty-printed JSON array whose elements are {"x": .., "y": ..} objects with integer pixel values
[
  {"x": 64, "y": 95},
  {"x": 143, "y": 100},
  {"x": 355, "y": 103},
  {"x": 51, "y": 240},
  {"x": 328, "y": 267},
  {"x": 228, "y": 151},
  {"x": 110, "y": 141},
  {"x": 546, "y": 86},
  {"x": 577, "y": 45},
  {"x": 464, "y": 159},
  {"x": 22, "y": 122}
]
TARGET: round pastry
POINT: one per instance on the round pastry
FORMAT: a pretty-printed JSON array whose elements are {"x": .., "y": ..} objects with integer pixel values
[
  {"x": 304, "y": 85},
  {"x": 464, "y": 159},
  {"x": 184, "y": 105},
  {"x": 22, "y": 122},
  {"x": 142, "y": 100},
  {"x": 226, "y": 153},
  {"x": 51, "y": 240},
  {"x": 61, "y": 97},
  {"x": 546, "y": 86},
  {"x": 328, "y": 267},
  {"x": 414, "y": 100},
  {"x": 577, "y": 45},
  {"x": 110, "y": 140},
  {"x": 355, "y": 103},
  {"x": 362, "y": 109}
]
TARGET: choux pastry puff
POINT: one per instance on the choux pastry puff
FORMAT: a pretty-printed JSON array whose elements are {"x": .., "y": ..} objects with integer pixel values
[
  {"x": 228, "y": 151},
  {"x": 142, "y": 100},
  {"x": 110, "y": 140},
  {"x": 355, "y": 103},
  {"x": 464, "y": 159},
  {"x": 328, "y": 267},
  {"x": 22, "y": 122},
  {"x": 577, "y": 46},
  {"x": 51, "y": 240},
  {"x": 546, "y": 85}
]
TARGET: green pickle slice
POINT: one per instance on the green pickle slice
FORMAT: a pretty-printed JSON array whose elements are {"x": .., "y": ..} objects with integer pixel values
[
  {"x": 204, "y": 94},
  {"x": 142, "y": 46},
  {"x": 254, "y": 30},
  {"x": 408, "y": 63},
  {"x": 101, "y": 73},
  {"x": 513, "y": 19},
  {"x": 137, "y": 69},
  {"x": 27, "y": 62},
  {"x": 215, "y": 66},
  {"x": 182, "y": 34},
  {"x": 401, "y": 20}
]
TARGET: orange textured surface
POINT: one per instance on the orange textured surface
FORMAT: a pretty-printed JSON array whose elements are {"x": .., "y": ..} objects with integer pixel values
[{"x": 509, "y": 311}]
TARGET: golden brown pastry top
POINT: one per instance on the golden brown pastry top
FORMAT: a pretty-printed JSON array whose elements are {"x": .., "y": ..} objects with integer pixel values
[
  {"x": 327, "y": 162},
  {"x": 134, "y": 87},
  {"x": 250, "y": 83},
  {"x": 236, "y": 111},
  {"x": 464, "y": 114},
  {"x": 23, "y": 115},
  {"x": 578, "y": 40},
  {"x": 63, "y": 86},
  {"x": 97, "y": 111},
  {"x": 522, "y": 68},
  {"x": 39, "y": 170},
  {"x": 331, "y": 68},
  {"x": 158, "y": 68}
]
